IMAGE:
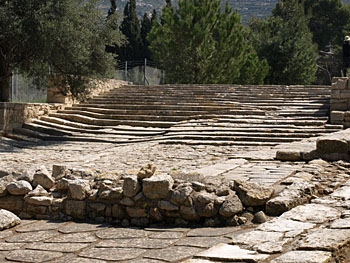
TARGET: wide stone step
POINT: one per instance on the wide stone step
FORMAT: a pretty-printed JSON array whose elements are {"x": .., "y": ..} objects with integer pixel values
[
  {"x": 81, "y": 137},
  {"x": 321, "y": 121},
  {"x": 219, "y": 143},
  {"x": 199, "y": 114},
  {"x": 156, "y": 113},
  {"x": 199, "y": 99},
  {"x": 281, "y": 90},
  {"x": 64, "y": 130},
  {"x": 113, "y": 122}
]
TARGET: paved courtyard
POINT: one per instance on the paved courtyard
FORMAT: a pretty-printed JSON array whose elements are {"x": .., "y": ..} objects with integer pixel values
[{"x": 316, "y": 232}]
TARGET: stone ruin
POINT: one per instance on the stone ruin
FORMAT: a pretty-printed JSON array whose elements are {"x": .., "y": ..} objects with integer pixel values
[{"x": 141, "y": 199}]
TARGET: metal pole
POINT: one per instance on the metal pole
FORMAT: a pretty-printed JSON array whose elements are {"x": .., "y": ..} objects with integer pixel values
[
  {"x": 12, "y": 85},
  {"x": 126, "y": 71},
  {"x": 144, "y": 73}
]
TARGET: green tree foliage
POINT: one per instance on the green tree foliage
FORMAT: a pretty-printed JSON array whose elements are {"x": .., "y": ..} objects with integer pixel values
[
  {"x": 198, "y": 42},
  {"x": 130, "y": 27},
  {"x": 146, "y": 26},
  {"x": 327, "y": 22},
  {"x": 63, "y": 38},
  {"x": 285, "y": 41}
]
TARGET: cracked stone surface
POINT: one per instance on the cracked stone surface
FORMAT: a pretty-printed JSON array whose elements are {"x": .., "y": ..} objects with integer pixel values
[{"x": 308, "y": 233}]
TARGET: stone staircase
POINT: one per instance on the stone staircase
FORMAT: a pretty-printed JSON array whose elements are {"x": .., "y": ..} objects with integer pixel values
[{"x": 192, "y": 114}]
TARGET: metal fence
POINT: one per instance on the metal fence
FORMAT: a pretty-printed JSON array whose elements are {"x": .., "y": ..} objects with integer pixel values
[
  {"x": 24, "y": 90},
  {"x": 140, "y": 72}
]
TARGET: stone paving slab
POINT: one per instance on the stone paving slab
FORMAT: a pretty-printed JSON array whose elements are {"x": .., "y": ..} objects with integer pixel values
[
  {"x": 232, "y": 253},
  {"x": 297, "y": 236},
  {"x": 306, "y": 256},
  {"x": 112, "y": 254}
]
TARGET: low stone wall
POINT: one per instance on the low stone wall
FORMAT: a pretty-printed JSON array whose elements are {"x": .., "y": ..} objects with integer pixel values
[
  {"x": 13, "y": 115},
  {"x": 142, "y": 199},
  {"x": 54, "y": 95}
]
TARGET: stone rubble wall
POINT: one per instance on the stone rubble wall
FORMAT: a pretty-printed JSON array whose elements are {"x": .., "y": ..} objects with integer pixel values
[
  {"x": 98, "y": 86},
  {"x": 142, "y": 199},
  {"x": 13, "y": 115}
]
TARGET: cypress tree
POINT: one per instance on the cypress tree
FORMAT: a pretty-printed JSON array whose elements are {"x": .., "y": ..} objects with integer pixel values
[
  {"x": 146, "y": 26},
  {"x": 130, "y": 27}
]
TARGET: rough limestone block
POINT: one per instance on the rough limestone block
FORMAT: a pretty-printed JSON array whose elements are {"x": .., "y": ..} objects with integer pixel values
[
  {"x": 131, "y": 186},
  {"x": 39, "y": 200},
  {"x": 157, "y": 187},
  {"x": 332, "y": 145},
  {"x": 79, "y": 189},
  {"x": 340, "y": 83},
  {"x": 20, "y": 187},
  {"x": 181, "y": 194},
  {"x": 3, "y": 190},
  {"x": 136, "y": 212},
  {"x": 58, "y": 171},
  {"x": 147, "y": 171},
  {"x": 43, "y": 177},
  {"x": 232, "y": 206},
  {"x": 8, "y": 219},
  {"x": 292, "y": 196},
  {"x": 39, "y": 191},
  {"x": 252, "y": 194},
  {"x": 13, "y": 203},
  {"x": 189, "y": 213},
  {"x": 286, "y": 155},
  {"x": 337, "y": 117},
  {"x": 76, "y": 209},
  {"x": 206, "y": 210}
]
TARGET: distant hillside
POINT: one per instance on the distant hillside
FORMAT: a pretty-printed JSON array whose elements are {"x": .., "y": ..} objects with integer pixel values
[{"x": 247, "y": 8}]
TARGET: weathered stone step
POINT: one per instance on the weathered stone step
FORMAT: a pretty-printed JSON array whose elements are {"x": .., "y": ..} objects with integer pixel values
[
  {"x": 322, "y": 90},
  {"x": 213, "y": 98},
  {"x": 85, "y": 137},
  {"x": 295, "y": 130},
  {"x": 64, "y": 130},
  {"x": 113, "y": 122},
  {"x": 104, "y": 107},
  {"x": 272, "y": 120},
  {"x": 155, "y": 113},
  {"x": 218, "y": 143},
  {"x": 201, "y": 114},
  {"x": 273, "y": 138}
]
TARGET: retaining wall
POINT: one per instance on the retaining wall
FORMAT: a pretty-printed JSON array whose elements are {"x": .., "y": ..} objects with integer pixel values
[{"x": 13, "y": 115}]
